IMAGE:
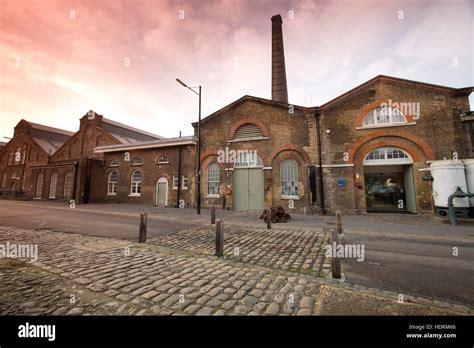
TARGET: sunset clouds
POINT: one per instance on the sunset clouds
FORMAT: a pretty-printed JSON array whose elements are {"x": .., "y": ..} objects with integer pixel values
[{"x": 121, "y": 58}]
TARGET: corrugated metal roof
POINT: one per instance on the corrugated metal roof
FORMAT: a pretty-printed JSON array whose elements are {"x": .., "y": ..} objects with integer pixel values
[
  {"x": 121, "y": 125},
  {"x": 191, "y": 140},
  {"x": 50, "y": 129}
]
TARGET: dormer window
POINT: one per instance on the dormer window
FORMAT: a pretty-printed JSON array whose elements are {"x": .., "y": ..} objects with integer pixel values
[
  {"x": 137, "y": 162},
  {"x": 113, "y": 163},
  {"x": 383, "y": 116}
]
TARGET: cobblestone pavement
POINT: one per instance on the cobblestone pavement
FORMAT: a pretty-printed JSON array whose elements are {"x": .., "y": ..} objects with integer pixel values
[
  {"x": 80, "y": 275},
  {"x": 299, "y": 250}
]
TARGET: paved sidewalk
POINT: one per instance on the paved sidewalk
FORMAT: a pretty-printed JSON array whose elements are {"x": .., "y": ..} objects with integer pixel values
[{"x": 78, "y": 274}]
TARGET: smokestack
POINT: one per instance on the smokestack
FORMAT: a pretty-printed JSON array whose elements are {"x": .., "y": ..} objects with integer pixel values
[{"x": 279, "y": 89}]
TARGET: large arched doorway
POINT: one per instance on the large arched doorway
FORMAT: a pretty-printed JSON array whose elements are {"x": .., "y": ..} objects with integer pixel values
[
  {"x": 248, "y": 182},
  {"x": 162, "y": 192},
  {"x": 389, "y": 181}
]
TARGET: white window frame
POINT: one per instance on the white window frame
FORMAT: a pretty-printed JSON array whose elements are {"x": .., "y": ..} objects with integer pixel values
[
  {"x": 287, "y": 173},
  {"x": 137, "y": 162},
  {"x": 378, "y": 113},
  {"x": 113, "y": 163},
  {"x": 53, "y": 185},
  {"x": 184, "y": 182},
  {"x": 136, "y": 185},
  {"x": 112, "y": 185},
  {"x": 175, "y": 182},
  {"x": 386, "y": 160},
  {"x": 163, "y": 160},
  {"x": 39, "y": 184},
  {"x": 213, "y": 180},
  {"x": 66, "y": 180}
]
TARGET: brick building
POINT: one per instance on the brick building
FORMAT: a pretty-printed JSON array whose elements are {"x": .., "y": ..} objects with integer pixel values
[{"x": 364, "y": 151}]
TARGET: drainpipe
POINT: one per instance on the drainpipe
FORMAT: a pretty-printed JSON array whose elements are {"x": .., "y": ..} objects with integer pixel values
[
  {"x": 179, "y": 173},
  {"x": 317, "y": 116}
]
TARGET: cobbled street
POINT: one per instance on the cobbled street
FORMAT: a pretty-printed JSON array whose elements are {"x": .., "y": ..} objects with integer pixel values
[{"x": 271, "y": 274}]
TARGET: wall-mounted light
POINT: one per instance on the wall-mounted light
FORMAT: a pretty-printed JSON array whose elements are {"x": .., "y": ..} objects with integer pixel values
[
  {"x": 328, "y": 131},
  {"x": 357, "y": 175}
]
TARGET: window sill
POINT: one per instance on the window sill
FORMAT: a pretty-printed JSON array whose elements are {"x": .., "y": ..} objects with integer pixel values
[
  {"x": 291, "y": 197},
  {"x": 247, "y": 139},
  {"x": 386, "y": 125},
  {"x": 212, "y": 196},
  {"x": 134, "y": 195},
  {"x": 111, "y": 194}
]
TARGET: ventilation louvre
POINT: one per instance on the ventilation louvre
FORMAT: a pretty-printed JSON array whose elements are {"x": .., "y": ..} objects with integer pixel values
[{"x": 247, "y": 131}]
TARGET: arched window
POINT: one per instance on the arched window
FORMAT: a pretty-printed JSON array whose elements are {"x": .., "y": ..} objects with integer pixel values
[
  {"x": 247, "y": 131},
  {"x": 137, "y": 162},
  {"x": 112, "y": 183},
  {"x": 4, "y": 180},
  {"x": 213, "y": 179},
  {"x": 23, "y": 157},
  {"x": 53, "y": 185},
  {"x": 39, "y": 185},
  {"x": 383, "y": 116},
  {"x": 68, "y": 182},
  {"x": 10, "y": 158},
  {"x": 289, "y": 178},
  {"x": 136, "y": 183},
  {"x": 163, "y": 160},
  {"x": 387, "y": 155},
  {"x": 113, "y": 163}
]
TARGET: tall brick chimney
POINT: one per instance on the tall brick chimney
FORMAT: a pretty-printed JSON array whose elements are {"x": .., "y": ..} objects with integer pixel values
[{"x": 279, "y": 88}]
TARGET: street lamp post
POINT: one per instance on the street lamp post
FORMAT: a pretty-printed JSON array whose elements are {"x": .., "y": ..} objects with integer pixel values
[{"x": 198, "y": 203}]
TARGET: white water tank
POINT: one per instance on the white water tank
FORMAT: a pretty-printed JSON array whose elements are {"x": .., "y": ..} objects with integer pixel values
[
  {"x": 469, "y": 164},
  {"x": 447, "y": 176}
]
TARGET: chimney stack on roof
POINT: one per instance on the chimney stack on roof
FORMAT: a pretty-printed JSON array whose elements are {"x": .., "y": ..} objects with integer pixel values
[{"x": 279, "y": 88}]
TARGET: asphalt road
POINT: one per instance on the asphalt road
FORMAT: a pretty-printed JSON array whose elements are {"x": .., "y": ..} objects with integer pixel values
[
  {"x": 92, "y": 223},
  {"x": 414, "y": 266}
]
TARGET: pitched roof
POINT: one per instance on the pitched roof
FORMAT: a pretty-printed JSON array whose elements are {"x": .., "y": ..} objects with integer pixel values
[
  {"x": 131, "y": 136},
  {"x": 49, "y": 129},
  {"x": 188, "y": 140}
]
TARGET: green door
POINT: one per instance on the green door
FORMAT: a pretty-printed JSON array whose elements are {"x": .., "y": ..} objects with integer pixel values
[{"x": 248, "y": 189}]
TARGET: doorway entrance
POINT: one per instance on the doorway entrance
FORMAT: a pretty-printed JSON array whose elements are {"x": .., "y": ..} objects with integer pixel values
[
  {"x": 389, "y": 181},
  {"x": 162, "y": 192},
  {"x": 248, "y": 182}
]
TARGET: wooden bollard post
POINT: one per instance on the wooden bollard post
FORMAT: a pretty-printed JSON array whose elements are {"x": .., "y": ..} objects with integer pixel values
[
  {"x": 339, "y": 222},
  {"x": 219, "y": 238},
  {"x": 213, "y": 214},
  {"x": 269, "y": 218},
  {"x": 335, "y": 261},
  {"x": 143, "y": 226}
]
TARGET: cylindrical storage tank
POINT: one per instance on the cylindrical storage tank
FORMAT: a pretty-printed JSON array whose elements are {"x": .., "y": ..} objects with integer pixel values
[
  {"x": 447, "y": 176},
  {"x": 469, "y": 165}
]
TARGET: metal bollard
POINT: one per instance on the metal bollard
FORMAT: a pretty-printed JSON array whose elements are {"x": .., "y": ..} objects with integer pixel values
[
  {"x": 335, "y": 261},
  {"x": 143, "y": 226},
  {"x": 219, "y": 238},
  {"x": 269, "y": 218},
  {"x": 213, "y": 215},
  {"x": 339, "y": 222}
]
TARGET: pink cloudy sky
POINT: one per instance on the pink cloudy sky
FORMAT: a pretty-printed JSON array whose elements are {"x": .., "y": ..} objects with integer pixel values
[{"x": 58, "y": 59}]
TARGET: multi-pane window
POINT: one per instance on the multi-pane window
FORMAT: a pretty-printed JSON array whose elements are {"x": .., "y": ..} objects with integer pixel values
[
  {"x": 137, "y": 162},
  {"x": 136, "y": 183},
  {"x": 289, "y": 178},
  {"x": 113, "y": 163},
  {"x": 68, "y": 182},
  {"x": 213, "y": 179},
  {"x": 23, "y": 181},
  {"x": 23, "y": 157},
  {"x": 112, "y": 183},
  {"x": 383, "y": 116},
  {"x": 10, "y": 158},
  {"x": 184, "y": 183},
  {"x": 384, "y": 155},
  {"x": 4, "y": 180},
  {"x": 175, "y": 182},
  {"x": 163, "y": 160},
  {"x": 53, "y": 185},
  {"x": 39, "y": 185}
]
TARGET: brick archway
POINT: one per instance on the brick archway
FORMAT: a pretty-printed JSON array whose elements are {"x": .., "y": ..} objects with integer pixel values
[
  {"x": 259, "y": 124},
  {"x": 406, "y": 139},
  {"x": 288, "y": 147}
]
